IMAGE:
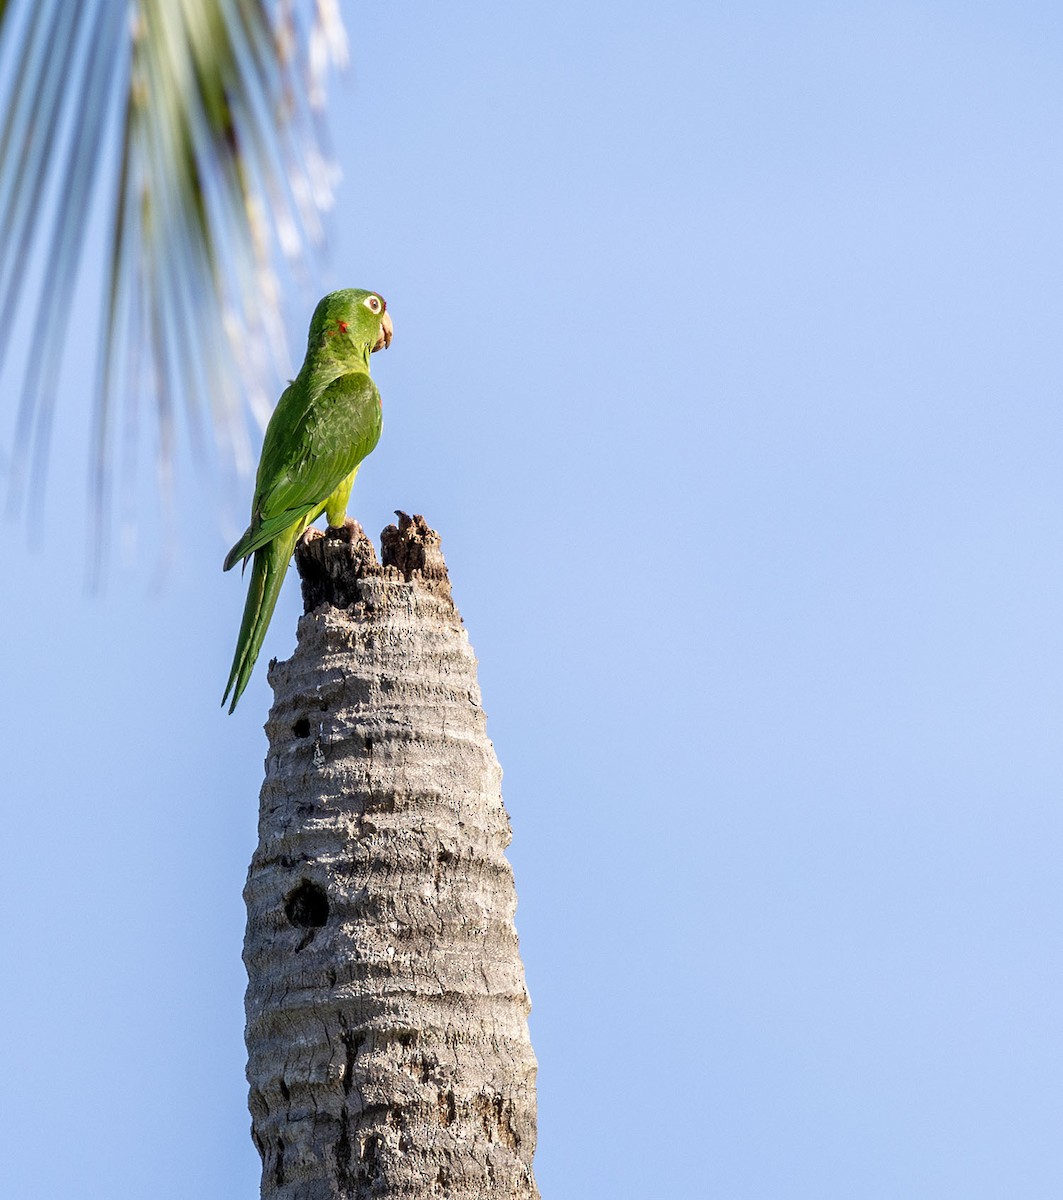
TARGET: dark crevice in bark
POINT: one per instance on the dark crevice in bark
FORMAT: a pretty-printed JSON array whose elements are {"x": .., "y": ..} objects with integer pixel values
[{"x": 343, "y": 1151}]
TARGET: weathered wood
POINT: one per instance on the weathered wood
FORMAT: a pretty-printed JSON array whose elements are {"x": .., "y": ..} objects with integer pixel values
[{"x": 388, "y": 1050}]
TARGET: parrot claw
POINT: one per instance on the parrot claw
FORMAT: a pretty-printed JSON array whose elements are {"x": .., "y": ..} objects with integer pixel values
[{"x": 349, "y": 531}]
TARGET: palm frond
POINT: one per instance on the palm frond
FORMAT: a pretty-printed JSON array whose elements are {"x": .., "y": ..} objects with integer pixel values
[{"x": 203, "y": 114}]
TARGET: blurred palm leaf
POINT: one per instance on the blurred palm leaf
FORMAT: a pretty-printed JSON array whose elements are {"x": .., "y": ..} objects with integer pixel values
[{"x": 206, "y": 111}]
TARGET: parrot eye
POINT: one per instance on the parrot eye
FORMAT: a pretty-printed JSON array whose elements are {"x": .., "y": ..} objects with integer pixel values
[{"x": 373, "y": 303}]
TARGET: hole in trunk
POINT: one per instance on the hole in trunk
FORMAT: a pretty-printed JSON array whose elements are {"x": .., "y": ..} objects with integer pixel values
[{"x": 307, "y": 906}]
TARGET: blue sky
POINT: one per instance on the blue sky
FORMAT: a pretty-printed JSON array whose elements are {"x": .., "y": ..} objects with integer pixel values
[{"x": 728, "y": 363}]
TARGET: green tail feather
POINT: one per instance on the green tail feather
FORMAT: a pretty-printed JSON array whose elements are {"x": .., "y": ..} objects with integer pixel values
[{"x": 267, "y": 574}]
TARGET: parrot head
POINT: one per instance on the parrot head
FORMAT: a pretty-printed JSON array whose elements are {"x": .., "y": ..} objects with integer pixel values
[{"x": 350, "y": 322}]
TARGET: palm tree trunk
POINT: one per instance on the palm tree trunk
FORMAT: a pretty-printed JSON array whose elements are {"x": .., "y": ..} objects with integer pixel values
[{"x": 388, "y": 1050}]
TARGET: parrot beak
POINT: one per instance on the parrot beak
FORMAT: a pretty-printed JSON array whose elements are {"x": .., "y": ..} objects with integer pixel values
[{"x": 384, "y": 341}]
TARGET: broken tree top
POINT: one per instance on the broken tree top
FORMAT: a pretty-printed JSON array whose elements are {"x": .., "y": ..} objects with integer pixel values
[{"x": 330, "y": 564}]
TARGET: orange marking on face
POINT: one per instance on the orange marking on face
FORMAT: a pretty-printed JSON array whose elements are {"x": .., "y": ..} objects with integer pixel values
[{"x": 343, "y": 327}]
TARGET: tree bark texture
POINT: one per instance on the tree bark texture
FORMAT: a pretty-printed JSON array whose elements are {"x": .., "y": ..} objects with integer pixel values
[{"x": 388, "y": 1049}]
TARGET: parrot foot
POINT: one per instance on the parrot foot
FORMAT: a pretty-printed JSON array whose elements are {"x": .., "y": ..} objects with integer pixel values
[{"x": 350, "y": 531}]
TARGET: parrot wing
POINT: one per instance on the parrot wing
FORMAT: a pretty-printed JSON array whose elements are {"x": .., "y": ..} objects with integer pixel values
[{"x": 311, "y": 446}]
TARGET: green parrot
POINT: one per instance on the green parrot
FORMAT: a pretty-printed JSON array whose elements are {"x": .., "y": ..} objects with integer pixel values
[{"x": 326, "y": 421}]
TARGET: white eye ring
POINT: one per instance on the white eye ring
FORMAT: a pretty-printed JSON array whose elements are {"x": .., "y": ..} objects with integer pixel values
[{"x": 372, "y": 303}]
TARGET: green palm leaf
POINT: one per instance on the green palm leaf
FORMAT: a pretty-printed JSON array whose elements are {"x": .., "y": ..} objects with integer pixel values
[{"x": 220, "y": 177}]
